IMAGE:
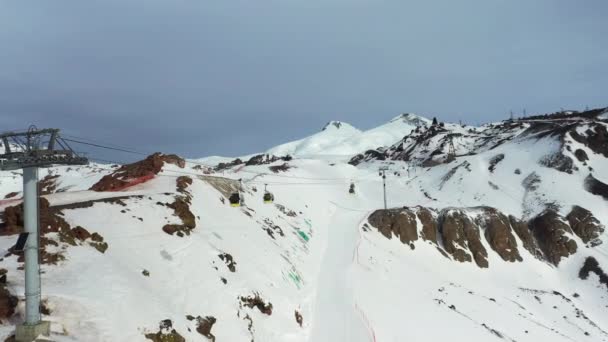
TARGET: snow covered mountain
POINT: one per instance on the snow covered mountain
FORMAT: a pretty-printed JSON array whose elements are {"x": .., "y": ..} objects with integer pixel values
[
  {"x": 493, "y": 233},
  {"x": 341, "y": 139}
]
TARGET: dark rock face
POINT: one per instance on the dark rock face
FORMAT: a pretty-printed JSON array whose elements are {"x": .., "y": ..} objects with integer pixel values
[
  {"x": 592, "y": 266},
  {"x": 456, "y": 232},
  {"x": 451, "y": 226},
  {"x": 526, "y": 236},
  {"x": 51, "y": 221},
  {"x": 138, "y": 172},
  {"x": 498, "y": 233},
  {"x": 204, "y": 326},
  {"x": 368, "y": 155},
  {"x": 401, "y": 222},
  {"x": 165, "y": 333},
  {"x": 429, "y": 224},
  {"x": 8, "y": 302},
  {"x": 559, "y": 162},
  {"x": 551, "y": 231},
  {"x": 263, "y": 159},
  {"x": 596, "y": 138},
  {"x": 585, "y": 225},
  {"x": 494, "y": 161},
  {"x": 596, "y": 187},
  {"x": 581, "y": 155},
  {"x": 256, "y": 301}
]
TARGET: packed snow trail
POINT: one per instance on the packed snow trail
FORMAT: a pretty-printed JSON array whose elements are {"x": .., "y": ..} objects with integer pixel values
[{"x": 336, "y": 318}]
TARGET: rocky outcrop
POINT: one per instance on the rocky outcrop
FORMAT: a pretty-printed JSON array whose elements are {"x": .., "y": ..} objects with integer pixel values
[
  {"x": 181, "y": 209},
  {"x": 585, "y": 225},
  {"x": 51, "y": 221},
  {"x": 592, "y": 266},
  {"x": 466, "y": 234},
  {"x": 581, "y": 155},
  {"x": 256, "y": 301},
  {"x": 558, "y": 161},
  {"x": 401, "y": 223},
  {"x": 499, "y": 234},
  {"x": 461, "y": 237},
  {"x": 165, "y": 333},
  {"x": 136, "y": 173},
  {"x": 596, "y": 187},
  {"x": 525, "y": 235},
  {"x": 429, "y": 224},
  {"x": 551, "y": 231},
  {"x": 8, "y": 302},
  {"x": 595, "y": 138},
  {"x": 494, "y": 161},
  {"x": 263, "y": 159},
  {"x": 204, "y": 325}
]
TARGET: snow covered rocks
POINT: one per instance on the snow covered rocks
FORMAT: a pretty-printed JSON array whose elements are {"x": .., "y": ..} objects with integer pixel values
[
  {"x": 458, "y": 232},
  {"x": 136, "y": 173}
]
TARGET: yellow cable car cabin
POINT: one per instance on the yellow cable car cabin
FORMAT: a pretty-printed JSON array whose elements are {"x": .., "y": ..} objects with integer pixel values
[
  {"x": 268, "y": 197},
  {"x": 235, "y": 199}
]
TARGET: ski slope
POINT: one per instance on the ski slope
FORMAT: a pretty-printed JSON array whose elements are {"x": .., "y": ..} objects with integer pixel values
[
  {"x": 336, "y": 317},
  {"x": 312, "y": 253}
]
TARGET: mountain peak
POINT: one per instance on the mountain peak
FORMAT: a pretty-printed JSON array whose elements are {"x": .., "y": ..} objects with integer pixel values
[
  {"x": 335, "y": 125},
  {"x": 411, "y": 118}
]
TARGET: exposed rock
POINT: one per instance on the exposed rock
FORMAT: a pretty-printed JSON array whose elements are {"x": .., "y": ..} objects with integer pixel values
[
  {"x": 181, "y": 209},
  {"x": 166, "y": 333},
  {"x": 299, "y": 318},
  {"x": 8, "y": 303},
  {"x": 80, "y": 233},
  {"x": 204, "y": 326},
  {"x": 401, "y": 222},
  {"x": 585, "y": 225},
  {"x": 595, "y": 138},
  {"x": 11, "y": 195},
  {"x": 257, "y": 302},
  {"x": 48, "y": 184},
  {"x": 494, "y": 161},
  {"x": 51, "y": 221},
  {"x": 551, "y": 231},
  {"x": 596, "y": 187},
  {"x": 136, "y": 173},
  {"x": 263, "y": 159},
  {"x": 498, "y": 234},
  {"x": 429, "y": 224},
  {"x": 581, "y": 155},
  {"x": 280, "y": 168},
  {"x": 368, "y": 155},
  {"x": 224, "y": 166},
  {"x": 452, "y": 227},
  {"x": 558, "y": 161},
  {"x": 591, "y": 265},
  {"x": 526, "y": 236},
  {"x": 230, "y": 263}
]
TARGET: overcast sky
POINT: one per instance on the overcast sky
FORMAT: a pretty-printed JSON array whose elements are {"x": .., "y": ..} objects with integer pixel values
[{"x": 232, "y": 77}]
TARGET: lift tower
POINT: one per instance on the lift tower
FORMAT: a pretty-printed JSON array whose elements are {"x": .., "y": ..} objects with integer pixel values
[{"x": 29, "y": 151}]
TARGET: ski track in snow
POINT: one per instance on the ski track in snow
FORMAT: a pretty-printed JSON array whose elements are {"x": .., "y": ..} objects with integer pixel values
[{"x": 337, "y": 317}]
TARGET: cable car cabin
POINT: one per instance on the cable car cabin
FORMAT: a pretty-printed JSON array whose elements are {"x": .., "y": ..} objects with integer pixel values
[
  {"x": 268, "y": 198},
  {"x": 235, "y": 199},
  {"x": 351, "y": 190}
]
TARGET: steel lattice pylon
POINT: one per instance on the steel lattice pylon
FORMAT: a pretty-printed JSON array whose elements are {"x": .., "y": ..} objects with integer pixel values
[{"x": 29, "y": 151}]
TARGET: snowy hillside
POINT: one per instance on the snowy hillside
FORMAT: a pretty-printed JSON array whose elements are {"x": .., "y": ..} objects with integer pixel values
[{"x": 493, "y": 233}]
